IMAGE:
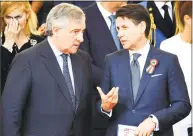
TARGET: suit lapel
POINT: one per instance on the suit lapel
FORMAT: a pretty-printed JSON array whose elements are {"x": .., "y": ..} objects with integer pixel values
[
  {"x": 97, "y": 17},
  {"x": 159, "y": 21},
  {"x": 125, "y": 73},
  {"x": 145, "y": 76},
  {"x": 52, "y": 66},
  {"x": 77, "y": 73}
]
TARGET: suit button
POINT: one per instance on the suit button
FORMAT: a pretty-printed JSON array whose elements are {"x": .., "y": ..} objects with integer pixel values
[{"x": 133, "y": 111}]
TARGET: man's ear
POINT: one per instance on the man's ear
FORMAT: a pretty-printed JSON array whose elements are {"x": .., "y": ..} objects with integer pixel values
[
  {"x": 55, "y": 31},
  {"x": 142, "y": 27}
]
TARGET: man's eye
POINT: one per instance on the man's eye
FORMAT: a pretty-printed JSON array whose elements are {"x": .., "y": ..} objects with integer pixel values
[{"x": 125, "y": 27}]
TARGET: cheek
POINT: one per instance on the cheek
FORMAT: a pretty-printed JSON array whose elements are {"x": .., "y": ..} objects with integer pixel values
[{"x": 22, "y": 22}]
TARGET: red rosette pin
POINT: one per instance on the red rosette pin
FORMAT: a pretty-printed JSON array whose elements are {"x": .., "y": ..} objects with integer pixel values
[{"x": 153, "y": 63}]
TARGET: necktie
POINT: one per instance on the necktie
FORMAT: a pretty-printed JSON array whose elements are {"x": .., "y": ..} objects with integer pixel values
[
  {"x": 68, "y": 79},
  {"x": 167, "y": 21},
  {"x": 135, "y": 74},
  {"x": 114, "y": 32}
]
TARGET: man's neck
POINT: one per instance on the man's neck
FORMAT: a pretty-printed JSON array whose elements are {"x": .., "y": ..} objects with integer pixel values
[
  {"x": 139, "y": 45},
  {"x": 108, "y": 7}
]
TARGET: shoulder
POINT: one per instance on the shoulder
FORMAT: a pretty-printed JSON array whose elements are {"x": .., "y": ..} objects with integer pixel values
[
  {"x": 82, "y": 53},
  {"x": 117, "y": 56},
  {"x": 34, "y": 39},
  {"x": 31, "y": 53},
  {"x": 169, "y": 43}
]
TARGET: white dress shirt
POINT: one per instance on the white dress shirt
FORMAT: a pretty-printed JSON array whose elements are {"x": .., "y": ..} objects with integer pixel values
[
  {"x": 105, "y": 14},
  {"x": 58, "y": 54},
  {"x": 160, "y": 4},
  {"x": 182, "y": 49}
]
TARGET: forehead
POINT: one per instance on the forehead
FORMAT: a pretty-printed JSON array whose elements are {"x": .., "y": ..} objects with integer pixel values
[
  {"x": 15, "y": 12},
  {"x": 123, "y": 21},
  {"x": 79, "y": 24}
]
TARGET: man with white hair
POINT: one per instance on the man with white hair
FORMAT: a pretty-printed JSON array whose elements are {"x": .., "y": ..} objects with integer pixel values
[{"x": 48, "y": 89}]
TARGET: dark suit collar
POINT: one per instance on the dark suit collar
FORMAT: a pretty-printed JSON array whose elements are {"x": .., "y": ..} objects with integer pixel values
[
  {"x": 50, "y": 61},
  {"x": 94, "y": 16},
  {"x": 159, "y": 21},
  {"x": 153, "y": 54}
]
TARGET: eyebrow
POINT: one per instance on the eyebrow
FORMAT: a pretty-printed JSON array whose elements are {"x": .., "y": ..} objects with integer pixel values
[{"x": 14, "y": 16}]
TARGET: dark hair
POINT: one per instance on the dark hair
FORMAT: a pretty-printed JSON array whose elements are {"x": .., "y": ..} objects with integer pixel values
[{"x": 137, "y": 14}]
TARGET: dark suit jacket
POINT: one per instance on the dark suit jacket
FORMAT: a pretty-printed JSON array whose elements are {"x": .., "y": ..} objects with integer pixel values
[
  {"x": 98, "y": 41},
  {"x": 36, "y": 100},
  {"x": 161, "y": 26},
  {"x": 164, "y": 96}
]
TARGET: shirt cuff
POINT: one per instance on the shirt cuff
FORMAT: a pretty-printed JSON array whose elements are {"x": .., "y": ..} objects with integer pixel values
[
  {"x": 155, "y": 120},
  {"x": 109, "y": 114}
]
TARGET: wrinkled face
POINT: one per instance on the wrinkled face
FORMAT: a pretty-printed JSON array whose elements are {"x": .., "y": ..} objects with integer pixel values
[
  {"x": 18, "y": 15},
  {"x": 68, "y": 39},
  {"x": 129, "y": 33}
]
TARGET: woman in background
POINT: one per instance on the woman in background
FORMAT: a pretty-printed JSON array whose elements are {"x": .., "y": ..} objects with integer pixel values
[
  {"x": 18, "y": 32},
  {"x": 181, "y": 45}
]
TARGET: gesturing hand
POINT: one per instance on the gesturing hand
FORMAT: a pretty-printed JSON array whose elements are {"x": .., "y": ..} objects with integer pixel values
[{"x": 109, "y": 100}]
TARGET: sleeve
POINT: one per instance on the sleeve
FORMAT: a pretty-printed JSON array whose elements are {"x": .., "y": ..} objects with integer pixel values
[
  {"x": 105, "y": 86},
  {"x": 15, "y": 95},
  {"x": 6, "y": 59},
  {"x": 178, "y": 97}
]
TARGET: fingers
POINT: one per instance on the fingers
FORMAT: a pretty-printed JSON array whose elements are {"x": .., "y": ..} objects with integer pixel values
[{"x": 102, "y": 95}]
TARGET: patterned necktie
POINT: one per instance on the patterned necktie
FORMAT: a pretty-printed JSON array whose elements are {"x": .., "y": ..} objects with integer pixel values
[
  {"x": 167, "y": 21},
  {"x": 114, "y": 32},
  {"x": 135, "y": 74},
  {"x": 68, "y": 79}
]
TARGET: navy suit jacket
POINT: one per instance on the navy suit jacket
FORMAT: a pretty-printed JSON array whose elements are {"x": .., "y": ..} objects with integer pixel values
[
  {"x": 161, "y": 26},
  {"x": 164, "y": 96},
  {"x": 98, "y": 41},
  {"x": 36, "y": 100}
]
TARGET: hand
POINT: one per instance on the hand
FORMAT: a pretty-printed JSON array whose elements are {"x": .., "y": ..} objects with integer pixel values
[
  {"x": 11, "y": 32},
  {"x": 110, "y": 100},
  {"x": 42, "y": 29},
  {"x": 145, "y": 128}
]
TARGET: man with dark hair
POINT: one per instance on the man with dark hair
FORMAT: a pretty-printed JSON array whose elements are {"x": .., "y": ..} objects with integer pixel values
[{"x": 148, "y": 90}]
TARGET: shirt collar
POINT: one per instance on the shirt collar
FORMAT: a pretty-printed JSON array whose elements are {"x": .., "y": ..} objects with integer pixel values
[
  {"x": 103, "y": 11},
  {"x": 160, "y": 4},
  {"x": 54, "y": 49},
  {"x": 144, "y": 51}
]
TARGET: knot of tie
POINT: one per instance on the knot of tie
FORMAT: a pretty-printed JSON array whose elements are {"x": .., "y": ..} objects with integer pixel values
[
  {"x": 112, "y": 18},
  {"x": 64, "y": 57},
  {"x": 165, "y": 8},
  {"x": 136, "y": 56}
]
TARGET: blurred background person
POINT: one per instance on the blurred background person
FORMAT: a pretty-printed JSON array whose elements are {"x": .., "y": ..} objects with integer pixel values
[
  {"x": 181, "y": 45},
  {"x": 164, "y": 19},
  {"x": 19, "y": 32}
]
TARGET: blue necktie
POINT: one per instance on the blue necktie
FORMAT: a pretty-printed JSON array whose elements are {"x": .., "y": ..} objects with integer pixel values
[
  {"x": 114, "y": 32},
  {"x": 135, "y": 74},
  {"x": 68, "y": 79}
]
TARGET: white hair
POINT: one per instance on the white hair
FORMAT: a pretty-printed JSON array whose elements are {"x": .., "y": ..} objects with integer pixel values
[{"x": 61, "y": 15}]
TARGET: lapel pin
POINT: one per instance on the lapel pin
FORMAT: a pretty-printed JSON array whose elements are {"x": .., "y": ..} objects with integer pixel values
[{"x": 153, "y": 63}]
